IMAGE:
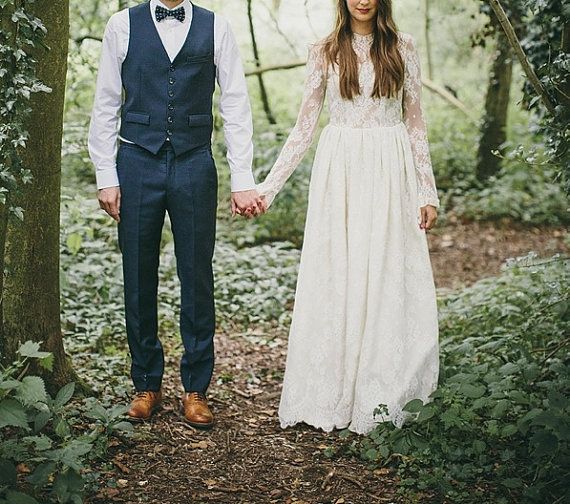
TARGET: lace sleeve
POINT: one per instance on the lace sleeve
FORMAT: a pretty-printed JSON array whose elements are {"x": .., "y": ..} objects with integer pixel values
[
  {"x": 302, "y": 134},
  {"x": 416, "y": 125}
]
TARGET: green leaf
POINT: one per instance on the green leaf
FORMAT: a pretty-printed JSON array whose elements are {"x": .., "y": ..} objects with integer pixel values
[
  {"x": 41, "y": 443},
  {"x": 557, "y": 400},
  {"x": 371, "y": 454},
  {"x": 509, "y": 430},
  {"x": 47, "y": 362},
  {"x": 512, "y": 482},
  {"x": 500, "y": 408},
  {"x": 10, "y": 384},
  {"x": 413, "y": 406},
  {"x": 8, "y": 475},
  {"x": 479, "y": 446},
  {"x": 64, "y": 395},
  {"x": 18, "y": 212},
  {"x": 472, "y": 391},
  {"x": 74, "y": 242},
  {"x": 509, "y": 368},
  {"x": 124, "y": 427},
  {"x": 544, "y": 443},
  {"x": 67, "y": 484},
  {"x": 32, "y": 391},
  {"x": 13, "y": 414},
  {"x": 426, "y": 413},
  {"x": 41, "y": 420},
  {"x": 72, "y": 455},
  {"x": 31, "y": 349},
  {"x": 20, "y": 498},
  {"x": 42, "y": 473},
  {"x": 62, "y": 428}
]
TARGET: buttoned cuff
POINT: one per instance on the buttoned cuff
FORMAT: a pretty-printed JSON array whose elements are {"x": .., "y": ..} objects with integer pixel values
[
  {"x": 107, "y": 178},
  {"x": 242, "y": 182}
]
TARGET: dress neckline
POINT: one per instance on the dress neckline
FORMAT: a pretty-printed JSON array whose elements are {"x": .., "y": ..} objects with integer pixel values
[{"x": 367, "y": 36}]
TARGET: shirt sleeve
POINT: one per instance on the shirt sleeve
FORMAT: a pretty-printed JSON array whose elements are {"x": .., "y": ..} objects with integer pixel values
[
  {"x": 235, "y": 107},
  {"x": 416, "y": 125},
  {"x": 301, "y": 136},
  {"x": 103, "y": 128}
]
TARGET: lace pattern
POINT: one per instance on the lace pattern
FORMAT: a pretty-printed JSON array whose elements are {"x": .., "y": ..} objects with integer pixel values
[{"x": 363, "y": 111}]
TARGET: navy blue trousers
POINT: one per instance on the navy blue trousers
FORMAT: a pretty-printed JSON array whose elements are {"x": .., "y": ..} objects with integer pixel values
[{"x": 186, "y": 187}]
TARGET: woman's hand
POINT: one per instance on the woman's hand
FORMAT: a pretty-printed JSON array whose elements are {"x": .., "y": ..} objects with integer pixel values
[{"x": 428, "y": 217}]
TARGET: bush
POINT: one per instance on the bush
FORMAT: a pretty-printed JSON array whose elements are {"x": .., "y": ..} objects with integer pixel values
[
  {"x": 42, "y": 455},
  {"x": 498, "y": 427},
  {"x": 524, "y": 191}
]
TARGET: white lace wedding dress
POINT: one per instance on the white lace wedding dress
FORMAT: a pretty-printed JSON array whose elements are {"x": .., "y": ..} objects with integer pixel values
[{"x": 364, "y": 328}]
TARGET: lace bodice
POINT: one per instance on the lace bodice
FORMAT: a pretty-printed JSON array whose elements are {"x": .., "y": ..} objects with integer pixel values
[{"x": 363, "y": 111}]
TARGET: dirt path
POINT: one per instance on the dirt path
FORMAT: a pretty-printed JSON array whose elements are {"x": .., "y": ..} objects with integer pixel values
[{"x": 247, "y": 457}]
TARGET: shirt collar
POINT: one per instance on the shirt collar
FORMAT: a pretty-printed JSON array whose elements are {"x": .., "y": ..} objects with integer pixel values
[{"x": 186, "y": 4}]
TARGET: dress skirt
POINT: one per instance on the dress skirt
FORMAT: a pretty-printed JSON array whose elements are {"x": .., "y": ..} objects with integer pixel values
[{"x": 364, "y": 330}]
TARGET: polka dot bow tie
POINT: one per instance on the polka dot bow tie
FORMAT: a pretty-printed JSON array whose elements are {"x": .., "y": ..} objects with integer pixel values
[{"x": 162, "y": 13}]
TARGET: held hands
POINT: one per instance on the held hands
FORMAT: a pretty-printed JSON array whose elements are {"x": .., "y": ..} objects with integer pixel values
[
  {"x": 110, "y": 201},
  {"x": 428, "y": 217},
  {"x": 248, "y": 204}
]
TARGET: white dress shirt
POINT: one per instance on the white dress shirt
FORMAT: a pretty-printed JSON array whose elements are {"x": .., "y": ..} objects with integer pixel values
[{"x": 234, "y": 104}]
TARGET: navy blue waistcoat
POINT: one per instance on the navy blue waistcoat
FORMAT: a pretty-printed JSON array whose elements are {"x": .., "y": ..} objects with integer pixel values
[{"x": 163, "y": 99}]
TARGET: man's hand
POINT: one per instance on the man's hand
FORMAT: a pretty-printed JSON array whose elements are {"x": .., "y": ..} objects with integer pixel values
[
  {"x": 247, "y": 203},
  {"x": 110, "y": 201},
  {"x": 429, "y": 217}
]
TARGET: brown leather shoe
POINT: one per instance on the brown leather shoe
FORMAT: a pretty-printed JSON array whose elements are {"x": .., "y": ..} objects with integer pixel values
[
  {"x": 145, "y": 404},
  {"x": 196, "y": 410}
]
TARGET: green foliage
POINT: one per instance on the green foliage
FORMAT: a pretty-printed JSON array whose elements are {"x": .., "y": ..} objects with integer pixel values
[
  {"x": 540, "y": 25},
  {"x": 21, "y": 31},
  {"x": 39, "y": 433},
  {"x": 497, "y": 428},
  {"x": 542, "y": 43},
  {"x": 523, "y": 191},
  {"x": 254, "y": 287}
]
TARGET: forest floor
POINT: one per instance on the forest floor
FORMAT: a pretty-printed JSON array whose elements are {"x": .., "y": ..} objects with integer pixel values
[{"x": 247, "y": 457}]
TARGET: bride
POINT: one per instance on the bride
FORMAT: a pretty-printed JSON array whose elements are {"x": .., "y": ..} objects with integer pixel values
[{"x": 364, "y": 330}]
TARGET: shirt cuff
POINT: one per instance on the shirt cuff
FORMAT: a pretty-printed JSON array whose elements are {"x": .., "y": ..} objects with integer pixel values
[
  {"x": 242, "y": 182},
  {"x": 107, "y": 178}
]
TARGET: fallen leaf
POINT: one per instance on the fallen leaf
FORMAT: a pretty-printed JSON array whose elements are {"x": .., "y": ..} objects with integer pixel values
[
  {"x": 122, "y": 483},
  {"x": 121, "y": 466},
  {"x": 210, "y": 483},
  {"x": 200, "y": 445},
  {"x": 108, "y": 493}
]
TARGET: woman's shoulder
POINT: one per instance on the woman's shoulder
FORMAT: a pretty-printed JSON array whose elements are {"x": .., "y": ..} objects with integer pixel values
[
  {"x": 406, "y": 41},
  {"x": 318, "y": 45}
]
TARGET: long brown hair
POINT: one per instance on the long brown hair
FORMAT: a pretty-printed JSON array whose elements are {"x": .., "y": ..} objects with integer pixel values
[{"x": 387, "y": 60}]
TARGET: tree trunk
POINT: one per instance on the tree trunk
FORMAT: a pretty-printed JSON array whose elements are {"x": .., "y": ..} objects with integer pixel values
[
  {"x": 427, "y": 34},
  {"x": 6, "y": 27},
  {"x": 493, "y": 130},
  {"x": 31, "y": 288},
  {"x": 262, "y": 90}
]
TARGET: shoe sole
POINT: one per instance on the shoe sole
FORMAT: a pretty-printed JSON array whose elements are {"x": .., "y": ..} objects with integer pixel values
[
  {"x": 200, "y": 426},
  {"x": 196, "y": 425}
]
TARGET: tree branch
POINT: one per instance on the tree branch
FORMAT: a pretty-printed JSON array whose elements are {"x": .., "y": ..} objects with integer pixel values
[
  {"x": 429, "y": 85},
  {"x": 519, "y": 51},
  {"x": 80, "y": 40}
]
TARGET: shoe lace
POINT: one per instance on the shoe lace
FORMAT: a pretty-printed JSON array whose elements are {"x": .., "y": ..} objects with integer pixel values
[
  {"x": 144, "y": 394},
  {"x": 198, "y": 396}
]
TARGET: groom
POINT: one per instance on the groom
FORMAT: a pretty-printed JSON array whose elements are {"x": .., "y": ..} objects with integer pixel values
[{"x": 166, "y": 57}]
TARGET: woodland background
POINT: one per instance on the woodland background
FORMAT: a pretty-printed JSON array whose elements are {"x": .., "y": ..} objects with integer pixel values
[{"x": 498, "y": 427}]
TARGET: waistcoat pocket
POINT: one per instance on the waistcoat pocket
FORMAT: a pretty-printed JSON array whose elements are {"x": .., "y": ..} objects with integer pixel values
[
  {"x": 200, "y": 120},
  {"x": 135, "y": 117}
]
